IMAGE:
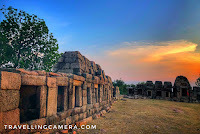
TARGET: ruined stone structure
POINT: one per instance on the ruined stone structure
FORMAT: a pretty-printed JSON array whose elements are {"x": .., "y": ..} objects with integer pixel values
[
  {"x": 182, "y": 91},
  {"x": 78, "y": 92}
]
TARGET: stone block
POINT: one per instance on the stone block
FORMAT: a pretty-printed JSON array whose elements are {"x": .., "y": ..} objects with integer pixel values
[
  {"x": 77, "y": 83},
  {"x": 84, "y": 100},
  {"x": 83, "y": 108},
  {"x": 68, "y": 120},
  {"x": 84, "y": 85},
  {"x": 51, "y": 82},
  {"x": 89, "y": 80},
  {"x": 89, "y": 106},
  {"x": 80, "y": 116},
  {"x": 75, "y": 118},
  {"x": 61, "y": 59},
  {"x": 9, "y": 100},
  {"x": 84, "y": 93},
  {"x": 41, "y": 72},
  {"x": 84, "y": 115},
  {"x": 78, "y": 96},
  {"x": 52, "y": 101},
  {"x": 10, "y": 80},
  {"x": 88, "y": 119},
  {"x": 11, "y": 117},
  {"x": 62, "y": 122},
  {"x": 89, "y": 96},
  {"x": 52, "y": 120},
  {"x": 42, "y": 91},
  {"x": 86, "y": 75},
  {"x": 80, "y": 123},
  {"x": 96, "y": 105},
  {"x": 66, "y": 98},
  {"x": 62, "y": 81},
  {"x": 75, "y": 65},
  {"x": 33, "y": 80},
  {"x": 22, "y": 71},
  {"x": 41, "y": 121},
  {"x": 62, "y": 115},
  {"x": 89, "y": 85},
  {"x": 66, "y": 71},
  {"x": 70, "y": 60},
  {"x": 65, "y": 114},
  {"x": 66, "y": 66},
  {"x": 77, "y": 77},
  {"x": 76, "y": 110},
  {"x": 71, "y": 96}
]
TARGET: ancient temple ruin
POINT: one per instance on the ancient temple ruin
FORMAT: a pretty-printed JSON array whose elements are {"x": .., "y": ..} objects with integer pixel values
[
  {"x": 181, "y": 91},
  {"x": 77, "y": 91}
]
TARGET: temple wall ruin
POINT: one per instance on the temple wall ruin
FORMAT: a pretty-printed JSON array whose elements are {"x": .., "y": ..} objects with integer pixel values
[
  {"x": 181, "y": 91},
  {"x": 64, "y": 97}
]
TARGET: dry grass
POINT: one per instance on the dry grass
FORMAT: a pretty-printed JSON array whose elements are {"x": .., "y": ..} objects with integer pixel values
[{"x": 131, "y": 116}]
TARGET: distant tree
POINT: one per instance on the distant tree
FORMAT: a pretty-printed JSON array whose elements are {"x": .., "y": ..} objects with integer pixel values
[
  {"x": 132, "y": 85},
  {"x": 198, "y": 82},
  {"x": 25, "y": 41},
  {"x": 122, "y": 86},
  {"x": 141, "y": 83}
]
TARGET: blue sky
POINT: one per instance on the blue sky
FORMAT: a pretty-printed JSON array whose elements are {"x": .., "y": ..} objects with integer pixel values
[{"x": 99, "y": 27}]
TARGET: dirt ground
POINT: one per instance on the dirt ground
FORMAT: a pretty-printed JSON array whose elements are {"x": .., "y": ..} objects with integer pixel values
[{"x": 147, "y": 116}]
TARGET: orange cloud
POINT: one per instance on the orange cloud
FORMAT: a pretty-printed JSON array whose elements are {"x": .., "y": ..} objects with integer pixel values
[{"x": 153, "y": 61}]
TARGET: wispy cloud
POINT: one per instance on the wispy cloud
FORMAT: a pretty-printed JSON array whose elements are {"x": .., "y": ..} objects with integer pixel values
[{"x": 152, "y": 61}]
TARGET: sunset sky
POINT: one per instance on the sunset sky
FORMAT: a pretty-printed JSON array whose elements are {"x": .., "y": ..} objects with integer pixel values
[{"x": 135, "y": 40}]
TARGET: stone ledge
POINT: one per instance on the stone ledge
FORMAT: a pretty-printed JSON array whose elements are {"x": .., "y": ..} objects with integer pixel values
[{"x": 33, "y": 80}]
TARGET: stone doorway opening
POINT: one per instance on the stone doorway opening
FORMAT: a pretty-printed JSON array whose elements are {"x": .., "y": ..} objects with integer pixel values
[
  {"x": 184, "y": 91},
  {"x": 148, "y": 93},
  {"x": 60, "y": 99},
  {"x": 29, "y": 103}
]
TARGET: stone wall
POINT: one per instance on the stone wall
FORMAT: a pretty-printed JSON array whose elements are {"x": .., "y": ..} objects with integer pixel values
[
  {"x": 75, "y": 93},
  {"x": 181, "y": 91}
]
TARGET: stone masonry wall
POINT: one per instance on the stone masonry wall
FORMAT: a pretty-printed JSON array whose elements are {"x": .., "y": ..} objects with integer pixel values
[
  {"x": 181, "y": 91},
  {"x": 39, "y": 97}
]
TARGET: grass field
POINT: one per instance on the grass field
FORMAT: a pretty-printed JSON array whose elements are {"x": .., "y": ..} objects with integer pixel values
[{"x": 146, "y": 116}]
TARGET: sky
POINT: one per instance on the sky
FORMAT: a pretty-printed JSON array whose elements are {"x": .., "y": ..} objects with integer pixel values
[{"x": 132, "y": 40}]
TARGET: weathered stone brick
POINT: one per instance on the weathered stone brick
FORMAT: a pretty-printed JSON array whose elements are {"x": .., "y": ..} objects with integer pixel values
[
  {"x": 76, "y": 110},
  {"x": 9, "y": 118},
  {"x": 10, "y": 80},
  {"x": 68, "y": 120},
  {"x": 77, "y": 83},
  {"x": 52, "y": 101},
  {"x": 78, "y": 96},
  {"x": 75, "y": 118},
  {"x": 52, "y": 120},
  {"x": 84, "y": 100},
  {"x": 42, "y": 91},
  {"x": 51, "y": 82},
  {"x": 9, "y": 100},
  {"x": 41, "y": 121},
  {"x": 62, "y": 81},
  {"x": 83, "y": 108},
  {"x": 33, "y": 80},
  {"x": 71, "y": 96},
  {"x": 80, "y": 116}
]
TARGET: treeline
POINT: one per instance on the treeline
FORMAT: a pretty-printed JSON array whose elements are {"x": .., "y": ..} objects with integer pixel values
[{"x": 123, "y": 86}]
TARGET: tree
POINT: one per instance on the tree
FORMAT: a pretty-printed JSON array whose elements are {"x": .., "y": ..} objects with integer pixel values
[
  {"x": 198, "y": 82},
  {"x": 122, "y": 86},
  {"x": 25, "y": 41},
  {"x": 141, "y": 83}
]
